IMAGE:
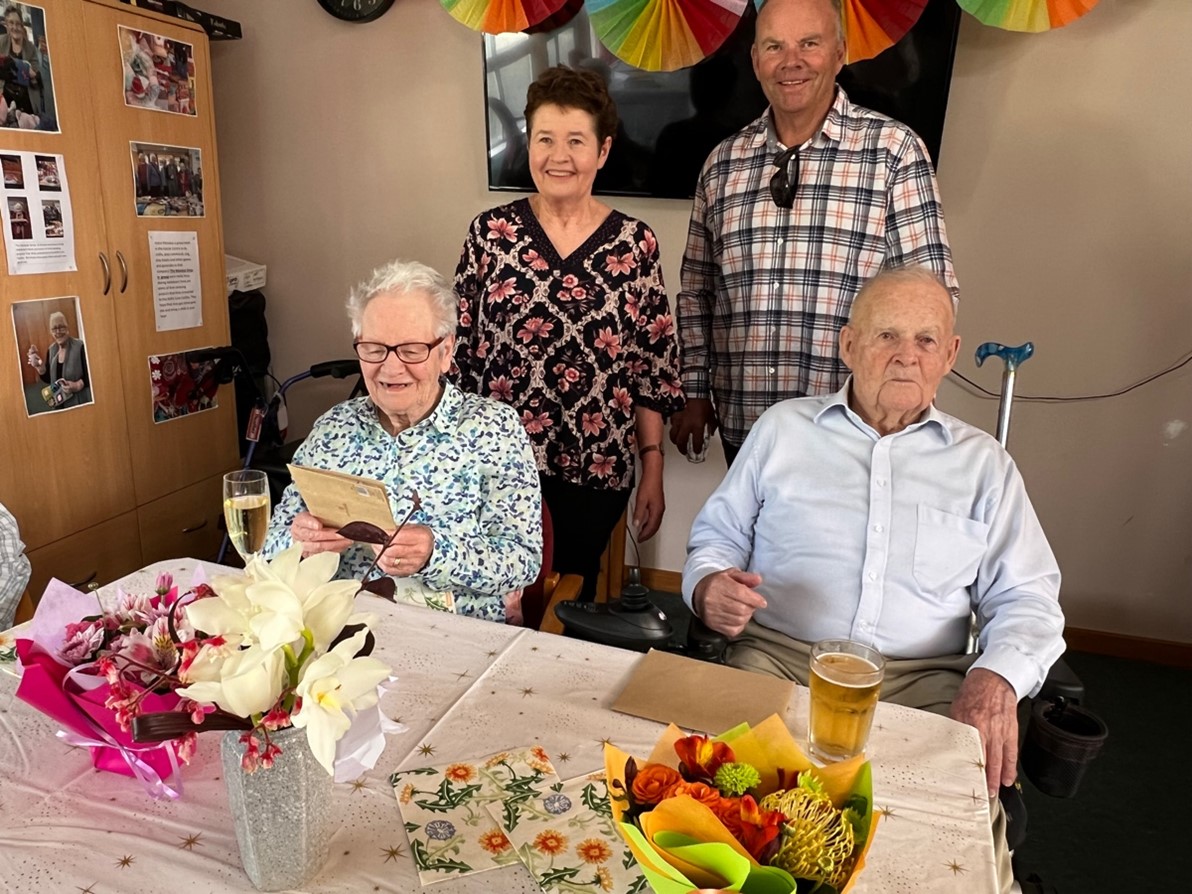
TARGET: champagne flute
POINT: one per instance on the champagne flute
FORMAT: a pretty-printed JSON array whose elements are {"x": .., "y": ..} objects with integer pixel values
[{"x": 246, "y": 510}]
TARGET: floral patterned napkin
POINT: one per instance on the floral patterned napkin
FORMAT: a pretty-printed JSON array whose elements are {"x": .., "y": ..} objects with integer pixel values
[
  {"x": 566, "y": 839},
  {"x": 413, "y": 592},
  {"x": 444, "y": 808}
]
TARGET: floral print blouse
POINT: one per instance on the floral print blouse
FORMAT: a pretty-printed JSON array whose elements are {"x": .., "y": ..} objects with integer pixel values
[
  {"x": 574, "y": 344},
  {"x": 471, "y": 464}
]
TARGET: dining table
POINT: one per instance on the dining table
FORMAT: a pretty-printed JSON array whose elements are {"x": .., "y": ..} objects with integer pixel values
[{"x": 464, "y": 688}]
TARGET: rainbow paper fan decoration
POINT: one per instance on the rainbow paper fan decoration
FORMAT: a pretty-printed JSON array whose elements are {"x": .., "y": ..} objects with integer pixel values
[
  {"x": 663, "y": 35},
  {"x": 873, "y": 26},
  {"x": 1026, "y": 15},
  {"x": 500, "y": 16}
]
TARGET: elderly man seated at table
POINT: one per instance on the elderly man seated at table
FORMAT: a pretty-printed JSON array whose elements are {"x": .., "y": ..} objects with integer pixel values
[
  {"x": 870, "y": 515},
  {"x": 478, "y": 532}
]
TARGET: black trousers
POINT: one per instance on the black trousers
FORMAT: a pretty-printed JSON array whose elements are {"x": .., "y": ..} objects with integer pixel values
[
  {"x": 730, "y": 452},
  {"x": 583, "y": 519}
]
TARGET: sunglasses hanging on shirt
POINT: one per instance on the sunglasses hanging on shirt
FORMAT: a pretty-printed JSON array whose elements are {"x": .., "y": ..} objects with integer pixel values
[{"x": 782, "y": 187}]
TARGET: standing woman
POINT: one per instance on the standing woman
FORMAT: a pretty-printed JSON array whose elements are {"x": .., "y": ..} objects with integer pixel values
[
  {"x": 563, "y": 314},
  {"x": 65, "y": 364}
]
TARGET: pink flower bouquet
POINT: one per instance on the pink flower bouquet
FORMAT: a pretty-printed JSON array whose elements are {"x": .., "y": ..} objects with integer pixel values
[{"x": 93, "y": 669}]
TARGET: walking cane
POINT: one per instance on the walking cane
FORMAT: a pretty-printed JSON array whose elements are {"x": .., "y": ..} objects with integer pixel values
[{"x": 1013, "y": 358}]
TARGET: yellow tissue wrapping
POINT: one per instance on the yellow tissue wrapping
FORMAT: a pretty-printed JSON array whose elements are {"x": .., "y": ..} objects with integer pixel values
[{"x": 768, "y": 746}]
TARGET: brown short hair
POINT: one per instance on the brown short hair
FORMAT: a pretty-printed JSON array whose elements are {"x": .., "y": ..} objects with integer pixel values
[{"x": 571, "y": 88}]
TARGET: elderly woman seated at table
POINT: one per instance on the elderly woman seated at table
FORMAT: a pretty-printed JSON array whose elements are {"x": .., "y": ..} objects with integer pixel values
[{"x": 478, "y": 531}]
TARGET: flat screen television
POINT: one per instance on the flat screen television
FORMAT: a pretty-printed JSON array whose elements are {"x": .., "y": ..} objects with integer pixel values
[{"x": 670, "y": 121}]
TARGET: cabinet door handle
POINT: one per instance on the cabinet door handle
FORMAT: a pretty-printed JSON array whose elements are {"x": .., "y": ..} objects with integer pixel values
[
  {"x": 123, "y": 271},
  {"x": 194, "y": 528},
  {"x": 88, "y": 579},
  {"x": 107, "y": 273}
]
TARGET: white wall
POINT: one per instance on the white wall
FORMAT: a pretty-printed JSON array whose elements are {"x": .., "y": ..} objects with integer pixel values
[{"x": 1067, "y": 181}]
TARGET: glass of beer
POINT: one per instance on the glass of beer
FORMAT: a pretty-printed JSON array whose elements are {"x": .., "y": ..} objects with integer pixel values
[
  {"x": 845, "y": 680},
  {"x": 246, "y": 510}
]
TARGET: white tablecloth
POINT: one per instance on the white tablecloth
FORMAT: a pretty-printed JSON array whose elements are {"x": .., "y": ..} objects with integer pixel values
[{"x": 466, "y": 689}]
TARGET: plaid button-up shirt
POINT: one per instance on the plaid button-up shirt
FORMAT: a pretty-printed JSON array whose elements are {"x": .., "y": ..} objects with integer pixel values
[{"x": 765, "y": 290}]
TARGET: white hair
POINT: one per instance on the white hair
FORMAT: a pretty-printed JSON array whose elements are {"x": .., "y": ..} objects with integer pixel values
[
  {"x": 837, "y": 8},
  {"x": 400, "y": 277},
  {"x": 913, "y": 274}
]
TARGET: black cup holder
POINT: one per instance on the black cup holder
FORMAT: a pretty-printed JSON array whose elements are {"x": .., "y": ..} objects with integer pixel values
[{"x": 1062, "y": 739}]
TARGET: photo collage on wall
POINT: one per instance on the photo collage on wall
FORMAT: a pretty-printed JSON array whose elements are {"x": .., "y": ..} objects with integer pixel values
[{"x": 36, "y": 213}]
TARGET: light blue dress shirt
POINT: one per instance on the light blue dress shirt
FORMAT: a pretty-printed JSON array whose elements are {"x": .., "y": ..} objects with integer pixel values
[
  {"x": 471, "y": 463},
  {"x": 890, "y": 541}
]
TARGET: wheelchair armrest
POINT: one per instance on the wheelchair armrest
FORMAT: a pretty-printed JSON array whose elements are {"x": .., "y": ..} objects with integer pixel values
[
  {"x": 1062, "y": 682},
  {"x": 705, "y": 643}
]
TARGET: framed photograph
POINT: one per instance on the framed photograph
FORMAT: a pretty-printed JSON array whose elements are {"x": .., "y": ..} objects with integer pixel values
[
  {"x": 167, "y": 180},
  {"x": 159, "y": 73},
  {"x": 52, "y": 354},
  {"x": 26, "y": 82}
]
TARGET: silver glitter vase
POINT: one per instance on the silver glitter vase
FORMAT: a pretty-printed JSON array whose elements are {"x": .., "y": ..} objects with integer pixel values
[{"x": 282, "y": 814}]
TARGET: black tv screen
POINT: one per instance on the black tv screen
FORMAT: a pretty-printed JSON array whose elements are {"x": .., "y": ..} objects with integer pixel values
[{"x": 670, "y": 121}]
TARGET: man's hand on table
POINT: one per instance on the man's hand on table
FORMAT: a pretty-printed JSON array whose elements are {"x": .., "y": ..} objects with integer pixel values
[
  {"x": 726, "y": 600},
  {"x": 988, "y": 702}
]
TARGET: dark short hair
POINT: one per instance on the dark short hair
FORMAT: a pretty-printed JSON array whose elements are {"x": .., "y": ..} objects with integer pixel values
[{"x": 571, "y": 88}]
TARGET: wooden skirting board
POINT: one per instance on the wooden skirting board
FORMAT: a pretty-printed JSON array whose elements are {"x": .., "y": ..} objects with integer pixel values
[{"x": 1117, "y": 645}]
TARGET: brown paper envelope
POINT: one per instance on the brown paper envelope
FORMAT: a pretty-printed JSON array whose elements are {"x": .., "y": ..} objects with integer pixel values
[
  {"x": 699, "y": 695},
  {"x": 336, "y": 499}
]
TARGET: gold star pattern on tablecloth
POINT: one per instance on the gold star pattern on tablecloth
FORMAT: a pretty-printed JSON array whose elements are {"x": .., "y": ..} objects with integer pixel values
[
  {"x": 126, "y": 861},
  {"x": 563, "y": 757},
  {"x": 190, "y": 842},
  {"x": 529, "y": 690},
  {"x": 956, "y": 868},
  {"x": 979, "y": 764},
  {"x": 426, "y": 750},
  {"x": 358, "y": 784},
  {"x": 885, "y": 812},
  {"x": 392, "y": 853},
  {"x": 90, "y": 889},
  {"x": 462, "y": 674},
  {"x": 977, "y": 799}
]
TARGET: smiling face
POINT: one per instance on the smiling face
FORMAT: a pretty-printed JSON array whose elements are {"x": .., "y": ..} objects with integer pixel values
[
  {"x": 58, "y": 329},
  {"x": 797, "y": 53},
  {"x": 405, "y": 392},
  {"x": 565, "y": 152},
  {"x": 16, "y": 31},
  {"x": 899, "y": 346}
]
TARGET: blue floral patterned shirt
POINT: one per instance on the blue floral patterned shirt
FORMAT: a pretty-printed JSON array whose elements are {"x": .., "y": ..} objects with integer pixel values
[{"x": 471, "y": 463}]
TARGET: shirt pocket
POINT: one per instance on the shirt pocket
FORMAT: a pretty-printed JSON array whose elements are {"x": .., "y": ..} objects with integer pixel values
[{"x": 948, "y": 550}]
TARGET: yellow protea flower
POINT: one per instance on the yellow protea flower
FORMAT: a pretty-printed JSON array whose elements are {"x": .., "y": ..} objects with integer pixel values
[{"x": 817, "y": 841}]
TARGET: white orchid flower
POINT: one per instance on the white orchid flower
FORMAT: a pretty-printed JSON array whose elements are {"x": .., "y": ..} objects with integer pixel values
[
  {"x": 250, "y": 682},
  {"x": 333, "y": 688}
]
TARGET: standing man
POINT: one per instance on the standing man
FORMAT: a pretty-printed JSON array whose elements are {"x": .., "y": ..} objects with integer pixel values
[{"x": 791, "y": 216}]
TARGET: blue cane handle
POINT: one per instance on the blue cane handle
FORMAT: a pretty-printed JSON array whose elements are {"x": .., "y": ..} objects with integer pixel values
[{"x": 1013, "y": 357}]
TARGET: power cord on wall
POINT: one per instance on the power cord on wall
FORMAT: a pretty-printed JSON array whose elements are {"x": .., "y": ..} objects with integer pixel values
[{"x": 1056, "y": 399}]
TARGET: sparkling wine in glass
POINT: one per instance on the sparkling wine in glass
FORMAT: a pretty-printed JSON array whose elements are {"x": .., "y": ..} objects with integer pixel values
[{"x": 246, "y": 510}]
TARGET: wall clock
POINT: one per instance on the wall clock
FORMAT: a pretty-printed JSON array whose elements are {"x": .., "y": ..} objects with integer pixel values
[{"x": 356, "y": 10}]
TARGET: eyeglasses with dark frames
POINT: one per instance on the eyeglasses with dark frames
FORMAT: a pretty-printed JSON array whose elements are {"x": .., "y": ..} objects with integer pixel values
[
  {"x": 410, "y": 352},
  {"x": 783, "y": 187}
]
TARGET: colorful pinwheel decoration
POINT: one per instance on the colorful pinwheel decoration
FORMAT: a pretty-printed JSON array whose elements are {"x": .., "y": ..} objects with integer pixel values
[
  {"x": 1026, "y": 15},
  {"x": 663, "y": 35},
  {"x": 500, "y": 16}
]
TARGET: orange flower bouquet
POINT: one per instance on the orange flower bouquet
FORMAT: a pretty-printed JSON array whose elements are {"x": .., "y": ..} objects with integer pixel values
[{"x": 746, "y": 810}]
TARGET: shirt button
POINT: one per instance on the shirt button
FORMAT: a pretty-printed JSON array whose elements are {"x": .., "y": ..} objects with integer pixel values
[
  {"x": 881, "y": 482},
  {"x": 873, "y": 575},
  {"x": 773, "y": 371},
  {"x": 878, "y": 528}
]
